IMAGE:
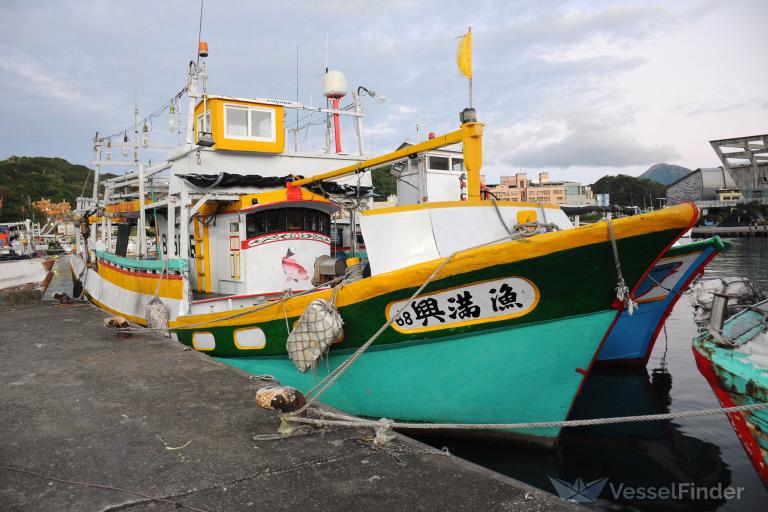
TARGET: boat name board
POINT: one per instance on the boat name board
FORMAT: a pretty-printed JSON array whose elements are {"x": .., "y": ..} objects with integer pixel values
[{"x": 485, "y": 301}]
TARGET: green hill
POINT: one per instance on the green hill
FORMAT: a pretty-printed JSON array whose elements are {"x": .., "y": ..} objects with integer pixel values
[
  {"x": 630, "y": 191},
  {"x": 24, "y": 180},
  {"x": 665, "y": 173}
]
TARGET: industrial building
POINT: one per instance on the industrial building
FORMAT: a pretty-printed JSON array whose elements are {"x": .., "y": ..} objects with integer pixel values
[
  {"x": 746, "y": 159},
  {"x": 742, "y": 178},
  {"x": 704, "y": 186}
]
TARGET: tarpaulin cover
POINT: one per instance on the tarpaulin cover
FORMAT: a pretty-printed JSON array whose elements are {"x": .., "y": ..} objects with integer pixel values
[
  {"x": 228, "y": 180},
  {"x": 337, "y": 189},
  {"x": 583, "y": 210}
]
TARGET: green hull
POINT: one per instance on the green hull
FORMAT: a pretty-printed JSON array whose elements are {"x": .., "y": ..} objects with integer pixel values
[
  {"x": 571, "y": 282},
  {"x": 492, "y": 368},
  {"x": 528, "y": 373}
]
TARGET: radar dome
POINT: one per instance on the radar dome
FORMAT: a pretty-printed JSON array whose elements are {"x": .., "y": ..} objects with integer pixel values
[{"x": 334, "y": 84}]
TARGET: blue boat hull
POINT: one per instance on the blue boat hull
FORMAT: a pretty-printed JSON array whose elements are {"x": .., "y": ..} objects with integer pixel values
[
  {"x": 631, "y": 340},
  {"x": 529, "y": 373}
]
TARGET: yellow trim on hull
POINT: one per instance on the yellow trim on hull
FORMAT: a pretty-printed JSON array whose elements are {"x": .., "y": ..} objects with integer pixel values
[
  {"x": 675, "y": 217},
  {"x": 456, "y": 204},
  {"x": 169, "y": 288}
]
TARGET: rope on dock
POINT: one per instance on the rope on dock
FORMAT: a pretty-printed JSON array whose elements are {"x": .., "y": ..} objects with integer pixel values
[{"x": 383, "y": 425}]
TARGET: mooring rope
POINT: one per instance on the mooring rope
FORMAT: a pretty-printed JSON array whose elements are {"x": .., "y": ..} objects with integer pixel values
[
  {"x": 331, "y": 378},
  {"x": 322, "y": 386},
  {"x": 345, "y": 420},
  {"x": 622, "y": 290}
]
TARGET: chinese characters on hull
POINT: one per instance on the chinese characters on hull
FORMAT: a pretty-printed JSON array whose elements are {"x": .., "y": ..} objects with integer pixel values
[{"x": 472, "y": 303}]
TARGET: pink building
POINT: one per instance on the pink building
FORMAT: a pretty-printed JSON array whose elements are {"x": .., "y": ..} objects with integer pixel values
[{"x": 519, "y": 188}]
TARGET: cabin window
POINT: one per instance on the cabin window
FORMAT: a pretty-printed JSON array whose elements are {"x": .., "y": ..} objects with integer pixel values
[
  {"x": 438, "y": 163},
  {"x": 311, "y": 221},
  {"x": 275, "y": 221},
  {"x": 323, "y": 223},
  {"x": 237, "y": 122},
  {"x": 457, "y": 164},
  {"x": 294, "y": 219},
  {"x": 261, "y": 123},
  {"x": 251, "y": 123},
  {"x": 203, "y": 128},
  {"x": 256, "y": 224},
  {"x": 287, "y": 219}
]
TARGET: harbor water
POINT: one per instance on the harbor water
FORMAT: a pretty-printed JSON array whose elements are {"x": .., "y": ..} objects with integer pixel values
[{"x": 703, "y": 452}]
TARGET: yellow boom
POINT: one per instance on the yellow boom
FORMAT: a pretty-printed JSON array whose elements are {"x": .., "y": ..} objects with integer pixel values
[{"x": 470, "y": 135}]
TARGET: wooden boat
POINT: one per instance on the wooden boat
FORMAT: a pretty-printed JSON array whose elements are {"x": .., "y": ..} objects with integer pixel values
[
  {"x": 631, "y": 340},
  {"x": 735, "y": 364},
  {"x": 516, "y": 308}
]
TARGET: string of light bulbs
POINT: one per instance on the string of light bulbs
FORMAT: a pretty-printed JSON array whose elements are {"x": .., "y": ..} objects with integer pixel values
[{"x": 174, "y": 124}]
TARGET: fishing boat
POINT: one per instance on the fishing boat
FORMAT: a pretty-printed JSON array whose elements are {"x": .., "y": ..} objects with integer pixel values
[
  {"x": 733, "y": 358},
  {"x": 630, "y": 342},
  {"x": 513, "y": 302},
  {"x": 23, "y": 265}
]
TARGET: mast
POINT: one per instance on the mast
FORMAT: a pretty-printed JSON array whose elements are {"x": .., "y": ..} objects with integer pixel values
[{"x": 97, "y": 167}]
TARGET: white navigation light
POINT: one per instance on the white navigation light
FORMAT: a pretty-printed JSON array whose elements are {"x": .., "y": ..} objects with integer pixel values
[{"x": 335, "y": 84}]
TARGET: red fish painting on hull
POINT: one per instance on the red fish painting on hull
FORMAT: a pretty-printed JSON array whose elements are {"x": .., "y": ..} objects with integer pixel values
[{"x": 293, "y": 269}]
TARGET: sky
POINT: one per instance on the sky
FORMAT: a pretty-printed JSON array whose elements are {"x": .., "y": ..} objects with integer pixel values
[{"x": 580, "y": 89}]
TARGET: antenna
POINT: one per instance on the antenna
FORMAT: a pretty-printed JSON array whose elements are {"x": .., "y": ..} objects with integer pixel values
[
  {"x": 326, "y": 52},
  {"x": 327, "y": 103},
  {"x": 200, "y": 30},
  {"x": 136, "y": 81},
  {"x": 296, "y": 131}
]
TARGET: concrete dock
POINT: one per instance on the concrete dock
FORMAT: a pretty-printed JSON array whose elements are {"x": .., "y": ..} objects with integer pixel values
[
  {"x": 92, "y": 421},
  {"x": 729, "y": 231}
]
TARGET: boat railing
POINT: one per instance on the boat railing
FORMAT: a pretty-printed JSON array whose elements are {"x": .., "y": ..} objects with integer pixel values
[{"x": 169, "y": 265}]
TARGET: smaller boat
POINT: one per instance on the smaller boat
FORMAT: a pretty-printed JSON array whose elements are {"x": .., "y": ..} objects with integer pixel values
[
  {"x": 630, "y": 342},
  {"x": 734, "y": 360},
  {"x": 22, "y": 267}
]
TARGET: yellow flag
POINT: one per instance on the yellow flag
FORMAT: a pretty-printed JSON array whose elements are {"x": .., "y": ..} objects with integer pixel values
[{"x": 464, "y": 56}]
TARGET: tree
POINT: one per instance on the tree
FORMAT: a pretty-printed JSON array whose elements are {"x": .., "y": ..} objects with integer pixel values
[
  {"x": 630, "y": 191},
  {"x": 384, "y": 184},
  {"x": 24, "y": 180}
]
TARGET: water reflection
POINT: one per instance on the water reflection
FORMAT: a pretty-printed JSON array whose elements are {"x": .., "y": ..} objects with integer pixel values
[{"x": 643, "y": 454}]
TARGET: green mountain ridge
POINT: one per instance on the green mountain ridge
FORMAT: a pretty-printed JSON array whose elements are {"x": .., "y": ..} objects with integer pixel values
[
  {"x": 665, "y": 173},
  {"x": 24, "y": 180}
]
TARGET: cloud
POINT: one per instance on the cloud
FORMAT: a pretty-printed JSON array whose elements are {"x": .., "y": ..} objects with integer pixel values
[
  {"x": 45, "y": 84},
  {"x": 553, "y": 78},
  {"x": 575, "y": 136}
]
